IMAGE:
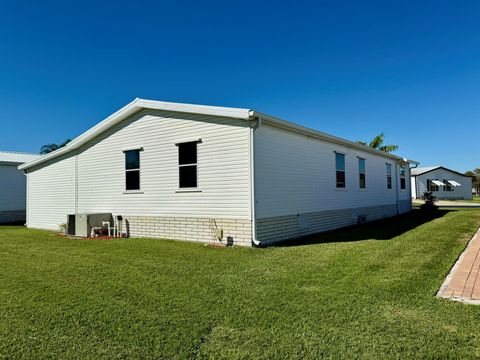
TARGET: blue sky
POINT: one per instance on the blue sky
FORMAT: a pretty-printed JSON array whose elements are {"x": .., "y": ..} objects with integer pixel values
[{"x": 410, "y": 69}]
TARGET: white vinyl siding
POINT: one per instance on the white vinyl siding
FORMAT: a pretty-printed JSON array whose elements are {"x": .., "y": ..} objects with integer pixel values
[
  {"x": 295, "y": 174},
  {"x": 223, "y": 176},
  {"x": 51, "y": 194}
]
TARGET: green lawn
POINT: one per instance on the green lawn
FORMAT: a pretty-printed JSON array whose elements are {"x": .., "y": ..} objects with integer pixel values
[{"x": 365, "y": 292}]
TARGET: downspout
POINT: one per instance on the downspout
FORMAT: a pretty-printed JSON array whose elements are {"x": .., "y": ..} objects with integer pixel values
[
  {"x": 76, "y": 183},
  {"x": 252, "y": 182},
  {"x": 26, "y": 197},
  {"x": 397, "y": 186}
]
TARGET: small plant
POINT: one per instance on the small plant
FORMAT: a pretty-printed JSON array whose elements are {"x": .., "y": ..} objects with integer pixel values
[
  {"x": 63, "y": 228},
  {"x": 430, "y": 200}
]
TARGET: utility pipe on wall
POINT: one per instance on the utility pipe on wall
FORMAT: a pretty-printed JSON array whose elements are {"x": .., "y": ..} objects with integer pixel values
[{"x": 252, "y": 182}]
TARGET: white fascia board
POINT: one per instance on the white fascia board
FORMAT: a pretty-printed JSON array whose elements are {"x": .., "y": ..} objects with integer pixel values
[{"x": 323, "y": 136}]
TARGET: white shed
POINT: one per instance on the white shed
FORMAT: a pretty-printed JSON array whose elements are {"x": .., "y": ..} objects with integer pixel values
[
  {"x": 13, "y": 186},
  {"x": 193, "y": 172},
  {"x": 446, "y": 184}
]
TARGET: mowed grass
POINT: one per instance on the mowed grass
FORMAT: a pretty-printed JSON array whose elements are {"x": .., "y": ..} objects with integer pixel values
[{"x": 363, "y": 292}]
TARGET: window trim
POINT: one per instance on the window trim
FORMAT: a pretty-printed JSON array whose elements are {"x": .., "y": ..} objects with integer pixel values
[
  {"x": 344, "y": 187},
  {"x": 364, "y": 173},
  {"x": 125, "y": 170},
  {"x": 189, "y": 188}
]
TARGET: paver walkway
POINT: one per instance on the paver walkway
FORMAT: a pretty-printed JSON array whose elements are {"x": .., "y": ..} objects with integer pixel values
[{"x": 463, "y": 282}]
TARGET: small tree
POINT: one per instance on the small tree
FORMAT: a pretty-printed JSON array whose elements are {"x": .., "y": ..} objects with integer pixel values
[
  {"x": 430, "y": 200},
  {"x": 48, "y": 148},
  {"x": 475, "y": 175},
  {"x": 377, "y": 143}
]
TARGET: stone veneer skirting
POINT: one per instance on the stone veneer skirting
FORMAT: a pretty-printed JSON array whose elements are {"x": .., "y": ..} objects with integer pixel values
[
  {"x": 269, "y": 230},
  {"x": 12, "y": 216},
  {"x": 275, "y": 229},
  {"x": 235, "y": 231}
]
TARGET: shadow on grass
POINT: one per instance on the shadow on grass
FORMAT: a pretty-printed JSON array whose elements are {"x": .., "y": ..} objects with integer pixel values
[{"x": 384, "y": 229}]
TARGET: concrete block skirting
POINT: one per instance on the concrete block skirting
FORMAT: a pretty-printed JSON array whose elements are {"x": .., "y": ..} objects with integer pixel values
[
  {"x": 235, "y": 231},
  {"x": 275, "y": 229},
  {"x": 12, "y": 216}
]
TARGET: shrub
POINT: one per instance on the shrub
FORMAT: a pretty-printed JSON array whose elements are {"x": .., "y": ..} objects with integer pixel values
[{"x": 430, "y": 200}]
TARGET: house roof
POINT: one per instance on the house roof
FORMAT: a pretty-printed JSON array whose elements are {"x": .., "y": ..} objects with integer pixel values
[
  {"x": 16, "y": 158},
  {"x": 423, "y": 170},
  {"x": 236, "y": 113}
]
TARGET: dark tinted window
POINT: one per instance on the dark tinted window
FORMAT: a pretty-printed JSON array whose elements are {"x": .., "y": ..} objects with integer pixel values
[
  {"x": 389, "y": 176},
  {"x": 187, "y": 153},
  {"x": 340, "y": 170},
  {"x": 133, "y": 180},
  {"x": 132, "y": 170},
  {"x": 188, "y": 176},
  {"x": 132, "y": 159},
  {"x": 187, "y": 162},
  {"x": 361, "y": 173},
  {"x": 403, "y": 182}
]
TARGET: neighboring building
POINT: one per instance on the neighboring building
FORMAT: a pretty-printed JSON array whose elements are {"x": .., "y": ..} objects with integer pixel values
[
  {"x": 187, "y": 172},
  {"x": 444, "y": 183},
  {"x": 13, "y": 186}
]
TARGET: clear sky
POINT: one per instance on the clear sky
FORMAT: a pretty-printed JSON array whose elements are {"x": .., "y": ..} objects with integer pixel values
[{"x": 410, "y": 69}]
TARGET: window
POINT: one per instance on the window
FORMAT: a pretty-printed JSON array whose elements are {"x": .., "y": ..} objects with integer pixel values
[
  {"x": 389, "y": 176},
  {"x": 340, "y": 169},
  {"x": 361, "y": 173},
  {"x": 402, "y": 177},
  {"x": 448, "y": 186},
  {"x": 132, "y": 170},
  {"x": 187, "y": 163},
  {"x": 431, "y": 186}
]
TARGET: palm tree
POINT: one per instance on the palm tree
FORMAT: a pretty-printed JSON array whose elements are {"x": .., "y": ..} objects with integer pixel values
[
  {"x": 377, "y": 143},
  {"x": 48, "y": 148}
]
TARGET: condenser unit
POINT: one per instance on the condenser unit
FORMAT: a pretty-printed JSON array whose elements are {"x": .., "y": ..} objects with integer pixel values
[{"x": 81, "y": 224}]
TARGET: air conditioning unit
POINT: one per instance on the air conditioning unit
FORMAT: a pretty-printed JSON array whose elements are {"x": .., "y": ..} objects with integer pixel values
[{"x": 81, "y": 224}]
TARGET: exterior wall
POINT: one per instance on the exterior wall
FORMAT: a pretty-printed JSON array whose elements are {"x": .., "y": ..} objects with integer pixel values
[
  {"x": 238, "y": 232},
  {"x": 12, "y": 194},
  {"x": 295, "y": 186},
  {"x": 93, "y": 179},
  {"x": 51, "y": 194},
  {"x": 462, "y": 192}
]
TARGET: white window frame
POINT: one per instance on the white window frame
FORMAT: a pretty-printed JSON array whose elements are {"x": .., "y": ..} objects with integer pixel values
[
  {"x": 139, "y": 169},
  {"x": 191, "y": 188}
]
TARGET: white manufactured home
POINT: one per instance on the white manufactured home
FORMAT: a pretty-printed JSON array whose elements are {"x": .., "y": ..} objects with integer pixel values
[
  {"x": 446, "y": 184},
  {"x": 199, "y": 173},
  {"x": 12, "y": 186}
]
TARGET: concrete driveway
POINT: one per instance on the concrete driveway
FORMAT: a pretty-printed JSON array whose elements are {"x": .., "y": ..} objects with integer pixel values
[{"x": 452, "y": 204}]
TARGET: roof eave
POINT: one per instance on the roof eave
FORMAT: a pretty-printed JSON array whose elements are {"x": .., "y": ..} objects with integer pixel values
[
  {"x": 130, "y": 109},
  {"x": 327, "y": 137}
]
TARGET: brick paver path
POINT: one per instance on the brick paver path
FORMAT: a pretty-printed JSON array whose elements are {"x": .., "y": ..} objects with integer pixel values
[{"x": 463, "y": 282}]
